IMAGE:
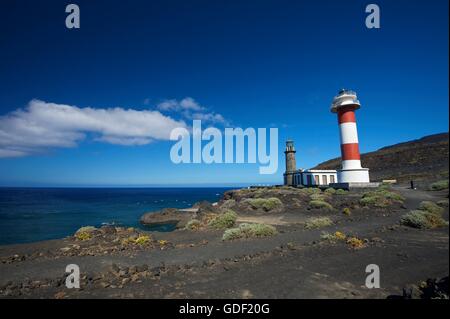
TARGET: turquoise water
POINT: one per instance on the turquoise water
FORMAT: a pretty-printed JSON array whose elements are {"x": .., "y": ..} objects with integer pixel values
[{"x": 34, "y": 214}]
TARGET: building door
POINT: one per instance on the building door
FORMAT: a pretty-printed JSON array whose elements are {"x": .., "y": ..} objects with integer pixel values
[
  {"x": 308, "y": 180},
  {"x": 316, "y": 180},
  {"x": 324, "y": 179}
]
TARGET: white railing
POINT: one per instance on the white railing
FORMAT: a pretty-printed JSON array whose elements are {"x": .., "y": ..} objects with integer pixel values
[{"x": 345, "y": 92}]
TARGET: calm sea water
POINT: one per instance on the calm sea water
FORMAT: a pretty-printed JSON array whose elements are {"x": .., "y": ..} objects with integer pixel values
[{"x": 34, "y": 214}]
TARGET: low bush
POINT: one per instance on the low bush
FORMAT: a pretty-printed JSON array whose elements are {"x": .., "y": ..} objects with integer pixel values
[
  {"x": 320, "y": 204},
  {"x": 391, "y": 195},
  {"x": 355, "y": 242},
  {"x": 267, "y": 204},
  {"x": 439, "y": 185},
  {"x": 249, "y": 231},
  {"x": 380, "y": 198},
  {"x": 317, "y": 222},
  {"x": 339, "y": 235},
  {"x": 228, "y": 204},
  {"x": 193, "y": 224},
  {"x": 346, "y": 211},
  {"x": 317, "y": 197},
  {"x": 330, "y": 191},
  {"x": 377, "y": 201},
  {"x": 83, "y": 235},
  {"x": 142, "y": 240},
  {"x": 311, "y": 190},
  {"x": 341, "y": 191},
  {"x": 385, "y": 186},
  {"x": 224, "y": 220},
  {"x": 431, "y": 207},
  {"x": 422, "y": 219},
  {"x": 333, "y": 237}
]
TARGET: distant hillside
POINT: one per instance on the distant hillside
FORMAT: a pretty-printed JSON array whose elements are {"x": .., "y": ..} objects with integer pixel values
[{"x": 422, "y": 159}]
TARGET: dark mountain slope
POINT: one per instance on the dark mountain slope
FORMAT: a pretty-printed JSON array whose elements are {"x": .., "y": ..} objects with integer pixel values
[{"x": 422, "y": 159}]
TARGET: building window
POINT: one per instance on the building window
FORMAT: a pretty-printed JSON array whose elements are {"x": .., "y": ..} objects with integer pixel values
[
  {"x": 331, "y": 179},
  {"x": 308, "y": 180},
  {"x": 316, "y": 180},
  {"x": 324, "y": 179}
]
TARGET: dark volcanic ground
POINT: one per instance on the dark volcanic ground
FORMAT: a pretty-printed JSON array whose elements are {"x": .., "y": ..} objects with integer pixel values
[{"x": 295, "y": 263}]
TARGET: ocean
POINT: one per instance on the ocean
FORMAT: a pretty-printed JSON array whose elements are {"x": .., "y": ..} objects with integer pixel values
[{"x": 35, "y": 214}]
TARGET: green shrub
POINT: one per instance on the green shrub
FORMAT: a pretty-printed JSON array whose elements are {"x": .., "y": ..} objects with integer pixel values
[
  {"x": 142, "y": 240},
  {"x": 385, "y": 186},
  {"x": 311, "y": 190},
  {"x": 422, "y": 219},
  {"x": 249, "y": 231},
  {"x": 380, "y": 198},
  {"x": 320, "y": 204},
  {"x": 330, "y": 191},
  {"x": 317, "y": 222},
  {"x": 439, "y": 185},
  {"x": 317, "y": 197},
  {"x": 266, "y": 204},
  {"x": 346, "y": 211},
  {"x": 374, "y": 200},
  {"x": 391, "y": 195},
  {"x": 193, "y": 224},
  {"x": 341, "y": 191},
  {"x": 83, "y": 235},
  {"x": 224, "y": 220},
  {"x": 431, "y": 207}
]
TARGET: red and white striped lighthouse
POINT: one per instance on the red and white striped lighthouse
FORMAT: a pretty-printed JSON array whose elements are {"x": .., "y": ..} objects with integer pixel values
[{"x": 345, "y": 104}]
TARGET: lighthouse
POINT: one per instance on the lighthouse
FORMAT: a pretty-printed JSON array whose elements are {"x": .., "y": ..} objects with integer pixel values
[
  {"x": 344, "y": 105},
  {"x": 290, "y": 163}
]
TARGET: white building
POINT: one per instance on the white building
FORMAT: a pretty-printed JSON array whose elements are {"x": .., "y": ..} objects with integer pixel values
[{"x": 314, "y": 177}]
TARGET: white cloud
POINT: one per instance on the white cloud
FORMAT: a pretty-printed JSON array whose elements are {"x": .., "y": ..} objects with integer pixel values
[
  {"x": 191, "y": 110},
  {"x": 187, "y": 103},
  {"x": 43, "y": 125}
]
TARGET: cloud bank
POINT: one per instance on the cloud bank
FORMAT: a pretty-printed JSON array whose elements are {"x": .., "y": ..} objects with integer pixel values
[{"x": 42, "y": 125}]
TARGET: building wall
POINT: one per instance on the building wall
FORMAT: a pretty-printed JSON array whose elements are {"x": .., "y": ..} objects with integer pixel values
[{"x": 318, "y": 178}]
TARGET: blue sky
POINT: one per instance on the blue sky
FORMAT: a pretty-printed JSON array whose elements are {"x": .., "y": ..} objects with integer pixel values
[{"x": 242, "y": 63}]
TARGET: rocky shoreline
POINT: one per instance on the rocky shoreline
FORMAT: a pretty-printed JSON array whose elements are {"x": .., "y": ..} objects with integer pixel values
[{"x": 275, "y": 242}]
